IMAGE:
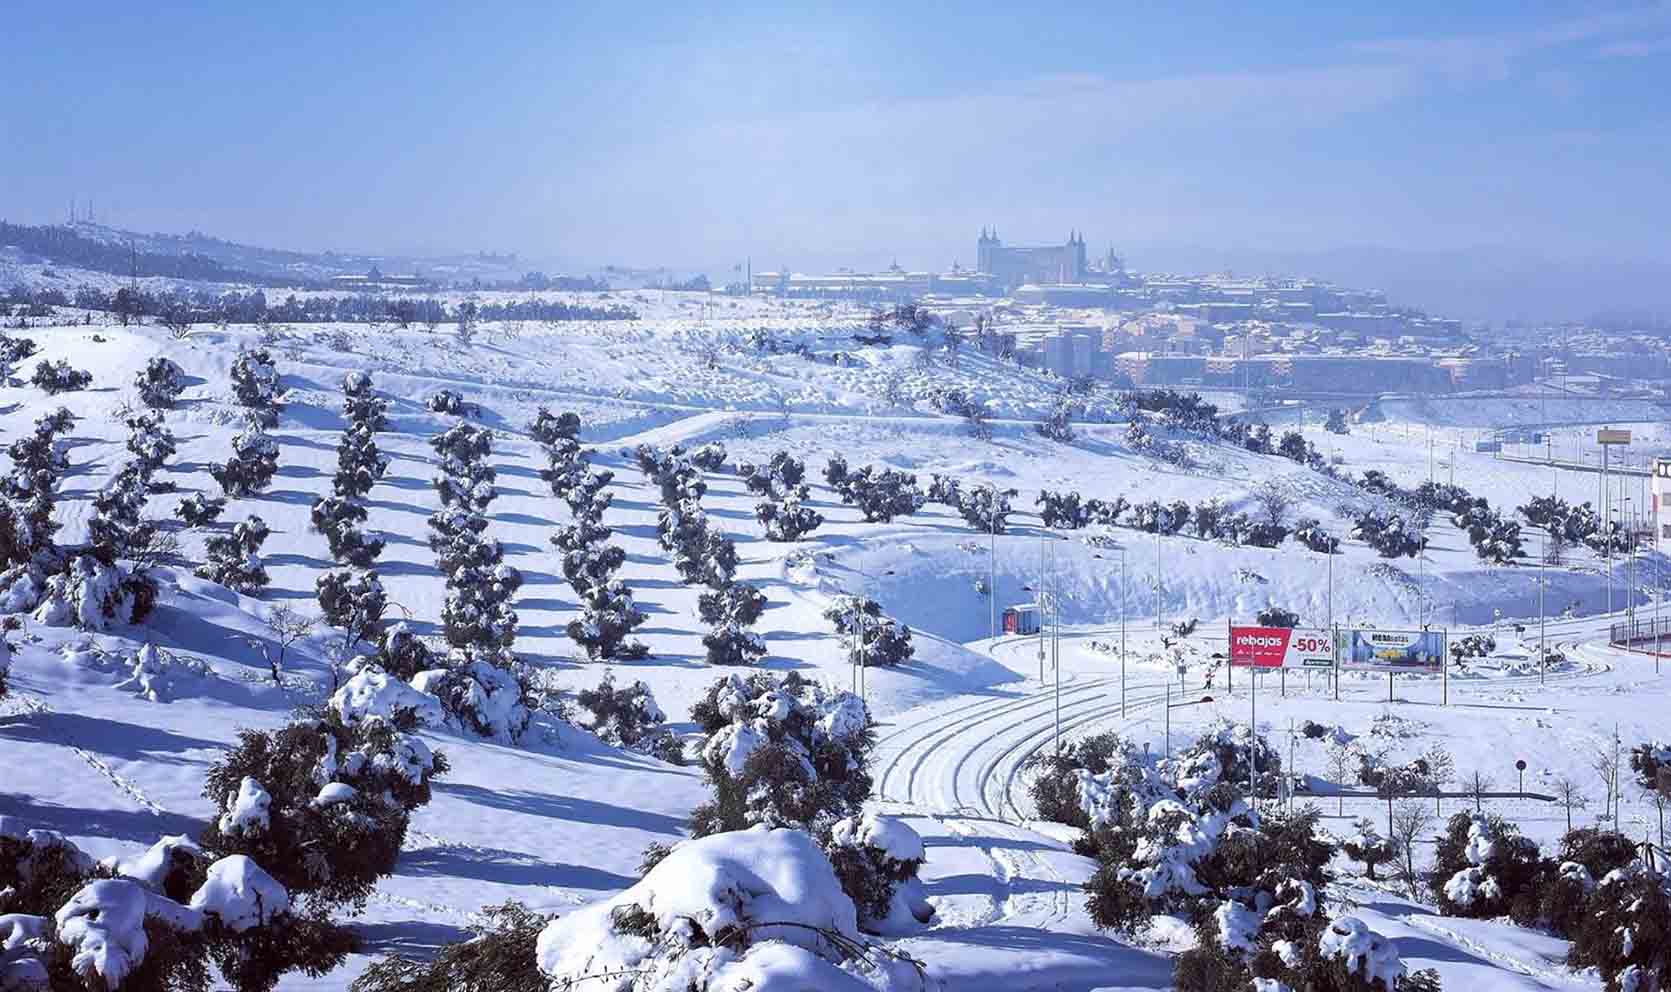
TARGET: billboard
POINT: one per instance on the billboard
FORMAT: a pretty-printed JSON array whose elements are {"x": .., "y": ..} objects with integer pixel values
[
  {"x": 1367, "y": 650},
  {"x": 1608, "y": 436},
  {"x": 1280, "y": 647}
]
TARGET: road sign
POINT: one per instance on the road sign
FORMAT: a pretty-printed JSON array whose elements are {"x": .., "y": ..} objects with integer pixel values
[
  {"x": 1612, "y": 436},
  {"x": 1281, "y": 647}
]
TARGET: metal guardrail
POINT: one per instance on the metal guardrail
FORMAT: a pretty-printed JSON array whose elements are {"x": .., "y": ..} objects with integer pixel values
[{"x": 1630, "y": 632}]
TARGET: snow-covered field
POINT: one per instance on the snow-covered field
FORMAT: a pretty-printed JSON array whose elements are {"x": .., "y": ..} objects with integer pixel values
[{"x": 559, "y": 819}]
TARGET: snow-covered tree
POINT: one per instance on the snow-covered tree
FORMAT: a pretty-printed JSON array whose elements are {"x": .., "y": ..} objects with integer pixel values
[
  {"x": 1367, "y": 846},
  {"x": 235, "y": 558},
  {"x": 731, "y": 613},
  {"x": 882, "y": 495},
  {"x": 252, "y": 466},
  {"x": 1309, "y": 532},
  {"x": 783, "y": 752},
  {"x": 255, "y": 385},
  {"x": 12, "y": 351},
  {"x": 551, "y": 429},
  {"x": 1392, "y": 535},
  {"x": 450, "y": 402},
  {"x": 1336, "y": 422},
  {"x": 30, "y": 493},
  {"x": 709, "y": 457},
  {"x": 477, "y": 612},
  {"x": 985, "y": 508},
  {"x": 608, "y": 616},
  {"x": 870, "y": 637},
  {"x": 159, "y": 383}
]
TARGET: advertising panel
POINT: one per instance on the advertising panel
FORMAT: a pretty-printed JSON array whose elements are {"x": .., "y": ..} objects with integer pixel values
[
  {"x": 1280, "y": 647},
  {"x": 1367, "y": 650}
]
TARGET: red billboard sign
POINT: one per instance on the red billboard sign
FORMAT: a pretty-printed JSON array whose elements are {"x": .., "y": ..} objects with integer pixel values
[{"x": 1280, "y": 647}]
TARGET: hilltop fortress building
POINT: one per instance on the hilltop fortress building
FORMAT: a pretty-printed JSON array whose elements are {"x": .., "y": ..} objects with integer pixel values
[{"x": 1013, "y": 266}]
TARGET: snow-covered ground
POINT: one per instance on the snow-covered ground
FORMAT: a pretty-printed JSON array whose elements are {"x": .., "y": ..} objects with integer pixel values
[{"x": 560, "y": 819}]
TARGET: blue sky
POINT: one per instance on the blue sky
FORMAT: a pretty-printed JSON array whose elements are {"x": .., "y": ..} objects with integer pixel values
[{"x": 691, "y": 137}]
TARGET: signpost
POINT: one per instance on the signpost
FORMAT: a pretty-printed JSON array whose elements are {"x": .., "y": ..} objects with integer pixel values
[{"x": 1607, "y": 437}]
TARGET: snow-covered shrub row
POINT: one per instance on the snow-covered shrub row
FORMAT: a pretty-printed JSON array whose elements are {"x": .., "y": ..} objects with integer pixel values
[
  {"x": 781, "y": 486},
  {"x": 783, "y": 752},
  {"x": 58, "y": 377},
  {"x": 360, "y": 465},
  {"x": 1572, "y": 524},
  {"x": 159, "y": 383},
  {"x": 352, "y": 600},
  {"x": 477, "y": 613},
  {"x": 1054, "y": 777},
  {"x": 869, "y": 637},
  {"x": 758, "y": 909},
  {"x": 235, "y": 557},
  {"x": 252, "y": 466},
  {"x": 323, "y": 802},
  {"x": 255, "y": 385},
  {"x": 158, "y": 920},
  {"x": 731, "y": 613},
  {"x": 118, "y": 528},
  {"x": 1152, "y": 516},
  {"x": 881, "y": 495},
  {"x": 628, "y": 718},
  {"x": 608, "y": 614}
]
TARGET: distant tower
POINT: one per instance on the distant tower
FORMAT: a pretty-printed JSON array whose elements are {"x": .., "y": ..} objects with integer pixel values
[{"x": 986, "y": 250}]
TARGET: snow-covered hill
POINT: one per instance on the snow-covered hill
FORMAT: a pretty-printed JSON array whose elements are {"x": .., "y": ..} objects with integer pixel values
[{"x": 559, "y": 819}]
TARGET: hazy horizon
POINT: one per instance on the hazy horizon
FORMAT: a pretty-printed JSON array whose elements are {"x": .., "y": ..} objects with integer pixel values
[{"x": 1521, "y": 153}]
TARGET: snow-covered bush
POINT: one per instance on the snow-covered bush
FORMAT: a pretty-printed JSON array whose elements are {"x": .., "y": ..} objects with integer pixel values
[
  {"x": 882, "y": 495},
  {"x": 30, "y": 493},
  {"x": 94, "y": 595},
  {"x": 780, "y": 485},
  {"x": 359, "y": 463},
  {"x": 877, "y": 858},
  {"x": 730, "y": 614},
  {"x": 1390, "y": 534},
  {"x": 199, "y": 510},
  {"x": 255, "y": 385},
  {"x": 1309, "y": 532},
  {"x": 1495, "y": 540},
  {"x": 760, "y": 910},
  {"x": 12, "y": 351},
  {"x": 162, "y": 677},
  {"x": 1276, "y": 616},
  {"x": 709, "y": 457},
  {"x": 608, "y": 616},
  {"x": 836, "y": 475},
  {"x": 870, "y": 638},
  {"x": 1107, "y": 513},
  {"x": 1152, "y": 516},
  {"x": 235, "y": 558},
  {"x": 480, "y": 693},
  {"x": 1366, "y": 845},
  {"x": 159, "y": 383},
  {"x": 400, "y": 652},
  {"x": 339, "y": 520},
  {"x": 1481, "y": 865},
  {"x": 781, "y": 752},
  {"x": 985, "y": 508},
  {"x": 500, "y": 956},
  {"x": 1057, "y": 425},
  {"x": 252, "y": 466},
  {"x": 322, "y": 803},
  {"x": 1103, "y": 762},
  {"x": 944, "y": 489},
  {"x": 1062, "y": 511},
  {"x": 450, "y": 402},
  {"x": 1625, "y": 933},
  {"x": 354, "y": 601},
  {"x": 360, "y": 406},
  {"x": 59, "y": 377},
  {"x": 700, "y": 554},
  {"x": 1169, "y": 851},
  {"x": 549, "y": 429},
  {"x": 477, "y": 613},
  {"x": 628, "y": 718}
]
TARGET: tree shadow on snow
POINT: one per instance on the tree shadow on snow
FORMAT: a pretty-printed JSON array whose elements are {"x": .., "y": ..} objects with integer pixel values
[
  {"x": 136, "y": 826},
  {"x": 571, "y": 808},
  {"x": 408, "y": 938},
  {"x": 506, "y": 868}
]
